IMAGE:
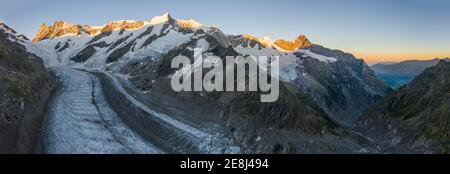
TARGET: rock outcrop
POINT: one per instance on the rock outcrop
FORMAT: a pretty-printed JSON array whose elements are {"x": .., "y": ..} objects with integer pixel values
[
  {"x": 25, "y": 86},
  {"x": 60, "y": 28},
  {"x": 299, "y": 43}
]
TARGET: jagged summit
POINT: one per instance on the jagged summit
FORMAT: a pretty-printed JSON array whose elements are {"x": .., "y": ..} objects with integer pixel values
[
  {"x": 61, "y": 28},
  {"x": 6, "y": 28},
  {"x": 12, "y": 34},
  {"x": 299, "y": 42},
  {"x": 190, "y": 23},
  {"x": 166, "y": 17}
]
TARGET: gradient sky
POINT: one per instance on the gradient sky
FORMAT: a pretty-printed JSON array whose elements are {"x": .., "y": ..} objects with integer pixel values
[{"x": 376, "y": 30}]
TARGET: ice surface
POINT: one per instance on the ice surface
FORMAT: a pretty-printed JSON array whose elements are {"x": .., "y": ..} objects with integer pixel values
[{"x": 81, "y": 121}]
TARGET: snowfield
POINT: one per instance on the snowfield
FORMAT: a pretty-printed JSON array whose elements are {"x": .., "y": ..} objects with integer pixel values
[{"x": 81, "y": 121}]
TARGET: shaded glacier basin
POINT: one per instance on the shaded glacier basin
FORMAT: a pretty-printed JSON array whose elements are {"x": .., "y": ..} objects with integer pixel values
[
  {"x": 80, "y": 120},
  {"x": 166, "y": 134}
]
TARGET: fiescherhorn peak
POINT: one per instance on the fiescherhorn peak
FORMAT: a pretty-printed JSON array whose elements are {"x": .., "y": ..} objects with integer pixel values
[
  {"x": 299, "y": 42},
  {"x": 61, "y": 28}
]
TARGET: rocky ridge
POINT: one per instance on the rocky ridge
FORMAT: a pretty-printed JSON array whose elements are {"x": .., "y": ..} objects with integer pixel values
[
  {"x": 416, "y": 117},
  {"x": 25, "y": 86}
]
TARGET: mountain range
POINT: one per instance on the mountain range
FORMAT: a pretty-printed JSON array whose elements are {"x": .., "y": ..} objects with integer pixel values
[
  {"x": 399, "y": 74},
  {"x": 127, "y": 65},
  {"x": 341, "y": 84}
]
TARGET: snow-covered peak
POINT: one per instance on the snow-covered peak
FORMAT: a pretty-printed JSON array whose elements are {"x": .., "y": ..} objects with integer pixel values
[
  {"x": 300, "y": 42},
  {"x": 6, "y": 29},
  {"x": 122, "y": 25},
  {"x": 266, "y": 40},
  {"x": 114, "y": 43},
  {"x": 190, "y": 23},
  {"x": 160, "y": 19},
  {"x": 282, "y": 45},
  {"x": 61, "y": 28},
  {"x": 11, "y": 34}
]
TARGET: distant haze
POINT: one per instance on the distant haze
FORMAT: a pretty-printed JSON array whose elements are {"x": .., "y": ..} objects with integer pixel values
[{"x": 378, "y": 31}]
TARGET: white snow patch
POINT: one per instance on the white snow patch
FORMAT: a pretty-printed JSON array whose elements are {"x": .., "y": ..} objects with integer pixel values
[
  {"x": 288, "y": 61},
  {"x": 202, "y": 44},
  {"x": 266, "y": 40},
  {"x": 159, "y": 19},
  {"x": 308, "y": 53},
  {"x": 170, "y": 41},
  {"x": 189, "y": 23}
]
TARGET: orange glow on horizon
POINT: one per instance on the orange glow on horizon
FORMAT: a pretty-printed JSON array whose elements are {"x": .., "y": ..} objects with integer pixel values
[{"x": 373, "y": 58}]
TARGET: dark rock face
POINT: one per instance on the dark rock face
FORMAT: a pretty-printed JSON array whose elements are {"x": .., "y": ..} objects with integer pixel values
[
  {"x": 343, "y": 88},
  {"x": 118, "y": 42},
  {"x": 65, "y": 46},
  {"x": 154, "y": 37},
  {"x": 88, "y": 52},
  {"x": 100, "y": 36},
  {"x": 84, "y": 54},
  {"x": 416, "y": 117},
  {"x": 118, "y": 53},
  {"x": 350, "y": 85},
  {"x": 25, "y": 86},
  {"x": 292, "y": 124},
  {"x": 241, "y": 40},
  {"x": 102, "y": 44}
]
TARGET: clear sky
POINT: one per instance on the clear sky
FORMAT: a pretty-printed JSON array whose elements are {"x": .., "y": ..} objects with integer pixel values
[{"x": 376, "y": 30}]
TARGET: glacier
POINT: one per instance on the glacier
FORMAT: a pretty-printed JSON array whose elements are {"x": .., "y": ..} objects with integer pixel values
[{"x": 81, "y": 121}]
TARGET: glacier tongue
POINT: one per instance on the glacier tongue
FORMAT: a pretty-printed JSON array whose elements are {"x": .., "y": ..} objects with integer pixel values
[{"x": 81, "y": 121}]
